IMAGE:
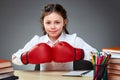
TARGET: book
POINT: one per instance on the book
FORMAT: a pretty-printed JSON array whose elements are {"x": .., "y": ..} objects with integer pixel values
[
  {"x": 6, "y": 69},
  {"x": 112, "y": 49},
  {"x": 113, "y": 76},
  {"x": 5, "y": 63},
  {"x": 115, "y": 55},
  {"x": 11, "y": 78},
  {"x": 5, "y": 75},
  {"x": 114, "y": 60},
  {"x": 113, "y": 71},
  {"x": 114, "y": 66}
]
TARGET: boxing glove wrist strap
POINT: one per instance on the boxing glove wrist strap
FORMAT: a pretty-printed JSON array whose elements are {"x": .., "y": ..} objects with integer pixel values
[
  {"x": 74, "y": 54},
  {"x": 25, "y": 59}
]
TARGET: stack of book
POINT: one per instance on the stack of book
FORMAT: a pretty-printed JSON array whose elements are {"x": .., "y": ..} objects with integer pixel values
[
  {"x": 6, "y": 70},
  {"x": 114, "y": 63}
]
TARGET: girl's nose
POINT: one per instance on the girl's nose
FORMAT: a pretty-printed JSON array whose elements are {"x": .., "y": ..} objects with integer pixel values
[{"x": 53, "y": 26}]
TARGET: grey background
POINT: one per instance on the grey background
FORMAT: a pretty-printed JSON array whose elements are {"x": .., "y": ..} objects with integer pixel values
[{"x": 97, "y": 22}]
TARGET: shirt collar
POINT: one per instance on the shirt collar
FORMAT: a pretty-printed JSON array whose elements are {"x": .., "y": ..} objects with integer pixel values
[{"x": 61, "y": 38}]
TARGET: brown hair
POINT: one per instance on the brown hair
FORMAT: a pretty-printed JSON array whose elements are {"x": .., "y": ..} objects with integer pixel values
[{"x": 49, "y": 8}]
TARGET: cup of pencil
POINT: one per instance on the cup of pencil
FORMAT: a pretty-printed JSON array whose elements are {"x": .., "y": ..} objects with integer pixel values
[
  {"x": 100, "y": 62},
  {"x": 100, "y": 72}
]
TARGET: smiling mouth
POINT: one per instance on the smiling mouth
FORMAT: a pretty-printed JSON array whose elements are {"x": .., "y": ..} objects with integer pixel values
[{"x": 53, "y": 31}]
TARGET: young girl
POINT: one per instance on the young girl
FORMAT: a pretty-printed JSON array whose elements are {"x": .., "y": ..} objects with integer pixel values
[{"x": 54, "y": 21}]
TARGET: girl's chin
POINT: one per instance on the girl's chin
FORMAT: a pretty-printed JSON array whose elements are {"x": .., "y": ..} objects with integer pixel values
[{"x": 53, "y": 35}]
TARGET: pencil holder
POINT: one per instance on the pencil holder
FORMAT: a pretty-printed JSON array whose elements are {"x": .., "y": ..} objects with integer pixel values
[{"x": 100, "y": 72}]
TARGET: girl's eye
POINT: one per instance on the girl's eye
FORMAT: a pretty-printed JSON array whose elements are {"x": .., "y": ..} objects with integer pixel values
[
  {"x": 57, "y": 22},
  {"x": 47, "y": 22}
]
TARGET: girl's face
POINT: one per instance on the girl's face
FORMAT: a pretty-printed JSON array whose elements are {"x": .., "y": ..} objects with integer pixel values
[{"x": 53, "y": 24}]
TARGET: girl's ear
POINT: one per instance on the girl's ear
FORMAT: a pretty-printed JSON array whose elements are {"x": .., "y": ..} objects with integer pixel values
[{"x": 65, "y": 22}]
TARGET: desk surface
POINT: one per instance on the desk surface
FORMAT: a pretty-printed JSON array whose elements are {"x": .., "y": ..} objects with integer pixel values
[{"x": 46, "y": 75}]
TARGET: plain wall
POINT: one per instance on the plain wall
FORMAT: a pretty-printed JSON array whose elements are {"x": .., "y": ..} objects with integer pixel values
[{"x": 97, "y": 22}]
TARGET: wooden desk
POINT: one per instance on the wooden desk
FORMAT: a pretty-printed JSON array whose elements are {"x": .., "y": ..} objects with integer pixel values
[{"x": 46, "y": 75}]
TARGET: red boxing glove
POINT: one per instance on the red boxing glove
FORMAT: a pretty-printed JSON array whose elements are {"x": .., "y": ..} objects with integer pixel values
[
  {"x": 40, "y": 53},
  {"x": 64, "y": 52}
]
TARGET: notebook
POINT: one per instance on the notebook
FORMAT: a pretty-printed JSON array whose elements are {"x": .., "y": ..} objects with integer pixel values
[{"x": 79, "y": 73}]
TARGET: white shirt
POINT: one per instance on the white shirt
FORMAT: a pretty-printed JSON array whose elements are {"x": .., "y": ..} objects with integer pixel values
[{"x": 73, "y": 40}]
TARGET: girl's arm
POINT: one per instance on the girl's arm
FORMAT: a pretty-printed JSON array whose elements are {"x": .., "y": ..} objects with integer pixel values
[{"x": 16, "y": 57}]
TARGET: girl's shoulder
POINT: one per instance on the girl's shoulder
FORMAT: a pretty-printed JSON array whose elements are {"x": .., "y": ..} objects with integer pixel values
[
  {"x": 71, "y": 37},
  {"x": 38, "y": 38},
  {"x": 74, "y": 36},
  {"x": 43, "y": 38}
]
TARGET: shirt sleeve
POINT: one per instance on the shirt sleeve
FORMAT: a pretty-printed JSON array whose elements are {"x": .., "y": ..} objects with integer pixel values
[
  {"x": 16, "y": 57},
  {"x": 80, "y": 43}
]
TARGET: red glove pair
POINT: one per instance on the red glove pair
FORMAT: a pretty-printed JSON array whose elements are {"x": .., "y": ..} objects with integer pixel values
[{"x": 60, "y": 52}]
